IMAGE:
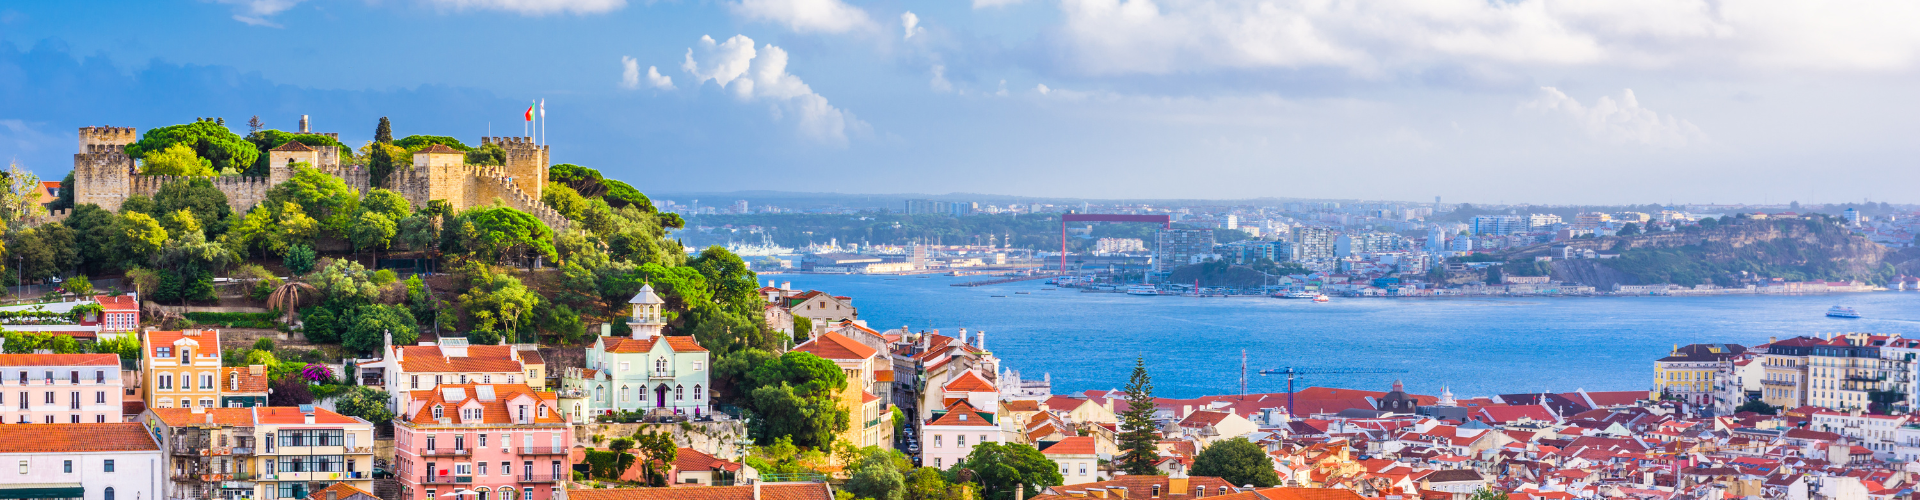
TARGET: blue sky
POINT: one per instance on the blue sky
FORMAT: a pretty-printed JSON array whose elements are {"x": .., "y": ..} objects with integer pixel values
[{"x": 1543, "y": 101}]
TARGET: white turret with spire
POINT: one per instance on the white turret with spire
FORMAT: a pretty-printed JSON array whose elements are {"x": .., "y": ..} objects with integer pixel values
[
  {"x": 646, "y": 321},
  {"x": 1446, "y": 397}
]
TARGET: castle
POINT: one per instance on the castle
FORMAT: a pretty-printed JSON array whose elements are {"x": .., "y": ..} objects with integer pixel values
[{"x": 104, "y": 175}]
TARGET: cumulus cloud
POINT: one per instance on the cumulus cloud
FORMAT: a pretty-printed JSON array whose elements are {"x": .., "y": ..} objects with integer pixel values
[
  {"x": 940, "y": 83},
  {"x": 629, "y": 73},
  {"x": 1619, "y": 121},
  {"x": 657, "y": 80},
  {"x": 1393, "y": 36},
  {"x": 982, "y": 4},
  {"x": 805, "y": 16},
  {"x": 257, "y": 12},
  {"x": 534, "y": 7},
  {"x": 911, "y": 23},
  {"x": 1042, "y": 88},
  {"x": 761, "y": 76}
]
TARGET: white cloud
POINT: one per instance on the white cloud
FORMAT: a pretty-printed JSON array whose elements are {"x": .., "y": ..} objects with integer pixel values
[
  {"x": 629, "y": 73},
  {"x": 1371, "y": 38},
  {"x": 761, "y": 75},
  {"x": 1618, "y": 121},
  {"x": 940, "y": 83},
  {"x": 256, "y": 12},
  {"x": 982, "y": 4},
  {"x": 1003, "y": 89},
  {"x": 805, "y": 16},
  {"x": 534, "y": 7},
  {"x": 911, "y": 23},
  {"x": 657, "y": 80},
  {"x": 1043, "y": 89}
]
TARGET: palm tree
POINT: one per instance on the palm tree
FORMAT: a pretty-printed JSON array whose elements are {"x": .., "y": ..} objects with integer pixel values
[{"x": 287, "y": 298}]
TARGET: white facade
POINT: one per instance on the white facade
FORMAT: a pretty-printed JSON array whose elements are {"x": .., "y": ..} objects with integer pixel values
[{"x": 133, "y": 475}]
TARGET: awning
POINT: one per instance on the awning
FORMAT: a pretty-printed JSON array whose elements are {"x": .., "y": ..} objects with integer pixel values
[{"x": 43, "y": 492}]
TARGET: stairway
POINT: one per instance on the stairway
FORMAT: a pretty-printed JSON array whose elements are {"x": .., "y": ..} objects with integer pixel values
[{"x": 388, "y": 489}]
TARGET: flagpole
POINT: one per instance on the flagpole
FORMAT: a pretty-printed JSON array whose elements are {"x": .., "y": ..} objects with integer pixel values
[{"x": 543, "y": 121}]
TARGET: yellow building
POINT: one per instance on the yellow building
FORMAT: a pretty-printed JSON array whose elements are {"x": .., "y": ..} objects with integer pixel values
[
  {"x": 1688, "y": 373},
  {"x": 872, "y": 420},
  {"x": 182, "y": 368},
  {"x": 261, "y": 452}
]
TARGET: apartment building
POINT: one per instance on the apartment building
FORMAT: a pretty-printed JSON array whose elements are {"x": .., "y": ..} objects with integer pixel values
[
  {"x": 111, "y": 461},
  {"x": 262, "y": 452},
  {"x": 1785, "y": 382},
  {"x": 1689, "y": 373},
  {"x": 182, "y": 368},
  {"x": 1875, "y": 432},
  {"x": 1847, "y": 372},
  {"x": 500, "y": 442},
  {"x": 451, "y": 361},
  {"x": 1178, "y": 247},
  {"x": 864, "y": 366},
  {"x": 951, "y": 434},
  {"x": 60, "y": 388}
]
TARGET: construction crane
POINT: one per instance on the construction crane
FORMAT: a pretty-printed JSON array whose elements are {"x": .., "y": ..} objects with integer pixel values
[{"x": 1290, "y": 372}]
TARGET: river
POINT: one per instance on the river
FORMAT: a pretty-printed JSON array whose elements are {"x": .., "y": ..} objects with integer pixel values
[{"x": 1475, "y": 346}]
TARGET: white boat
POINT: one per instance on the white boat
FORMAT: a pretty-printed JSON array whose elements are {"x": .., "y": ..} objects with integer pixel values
[
  {"x": 1842, "y": 312},
  {"x": 1142, "y": 290},
  {"x": 1295, "y": 295},
  {"x": 1321, "y": 298}
]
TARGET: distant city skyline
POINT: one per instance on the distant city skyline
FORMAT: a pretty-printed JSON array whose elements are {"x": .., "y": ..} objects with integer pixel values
[{"x": 1537, "y": 101}]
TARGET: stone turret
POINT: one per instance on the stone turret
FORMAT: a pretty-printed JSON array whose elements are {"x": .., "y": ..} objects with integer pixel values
[
  {"x": 281, "y": 160},
  {"x": 102, "y": 171},
  {"x": 526, "y": 162},
  {"x": 646, "y": 321}
]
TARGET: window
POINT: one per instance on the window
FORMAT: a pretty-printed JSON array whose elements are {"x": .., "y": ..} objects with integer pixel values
[
  {"x": 75, "y": 419},
  {"x": 463, "y": 378},
  {"x": 1083, "y": 469},
  {"x": 522, "y": 413},
  {"x": 696, "y": 366},
  {"x": 206, "y": 381},
  {"x": 960, "y": 441},
  {"x": 23, "y": 466},
  {"x": 416, "y": 381},
  {"x": 436, "y": 380},
  {"x": 66, "y": 467},
  {"x": 624, "y": 366},
  {"x": 679, "y": 393},
  {"x": 983, "y": 438},
  {"x": 430, "y": 446},
  {"x": 483, "y": 440},
  {"x": 463, "y": 469},
  {"x": 206, "y": 402},
  {"x": 506, "y": 468},
  {"x": 936, "y": 462},
  {"x": 697, "y": 393},
  {"x": 109, "y": 490},
  {"x": 100, "y": 419},
  {"x": 75, "y": 403},
  {"x": 73, "y": 377},
  {"x": 483, "y": 465},
  {"x": 486, "y": 379},
  {"x": 937, "y": 440},
  {"x": 543, "y": 413},
  {"x": 49, "y": 397},
  {"x": 23, "y": 402},
  {"x": 438, "y": 413},
  {"x": 166, "y": 382},
  {"x": 100, "y": 397},
  {"x": 660, "y": 365}
]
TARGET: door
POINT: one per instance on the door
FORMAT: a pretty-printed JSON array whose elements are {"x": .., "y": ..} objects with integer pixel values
[{"x": 660, "y": 396}]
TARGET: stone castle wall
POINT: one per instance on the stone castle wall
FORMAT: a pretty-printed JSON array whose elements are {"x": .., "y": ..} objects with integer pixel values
[{"x": 104, "y": 175}]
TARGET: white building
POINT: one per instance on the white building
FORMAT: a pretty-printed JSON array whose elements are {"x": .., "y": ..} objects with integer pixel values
[
  {"x": 1079, "y": 463},
  {"x": 950, "y": 435},
  {"x": 1875, "y": 432},
  {"x": 112, "y": 461}
]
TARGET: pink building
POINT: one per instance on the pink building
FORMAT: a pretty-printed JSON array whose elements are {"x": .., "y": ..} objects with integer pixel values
[
  {"x": 60, "y": 388},
  {"x": 501, "y": 442}
]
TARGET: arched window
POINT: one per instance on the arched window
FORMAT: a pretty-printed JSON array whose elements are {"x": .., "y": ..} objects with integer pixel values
[
  {"x": 660, "y": 365},
  {"x": 439, "y": 412},
  {"x": 623, "y": 394},
  {"x": 697, "y": 395},
  {"x": 599, "y": 392},
  {"x": 109, "y": 493},
  {"x": 506, "y": 493},
  {"x": 482, "y": 491},
  {"x": 679, "y": 393},
  {"x": 186, "y": 402}
]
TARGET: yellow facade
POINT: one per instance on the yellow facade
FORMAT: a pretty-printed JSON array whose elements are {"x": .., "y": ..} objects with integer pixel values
[{"x": 182, "y": 368}]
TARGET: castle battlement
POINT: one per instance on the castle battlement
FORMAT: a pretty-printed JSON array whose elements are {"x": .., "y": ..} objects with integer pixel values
[{"x": 104, "y": 175}]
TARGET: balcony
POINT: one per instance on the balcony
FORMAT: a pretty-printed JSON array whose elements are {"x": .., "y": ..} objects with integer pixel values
[
  {"x": 445, "y": 452},
  {"x": 535, "y": 478},
  {"x": 1861, "y": 377},
  {"x": 660, "y": 374},
  {"x": 243, "y": 450},
  {"x": 1781, "y": 383},
  {"x": 446, "y": 479},
  {"x": 545, "y": 450}
]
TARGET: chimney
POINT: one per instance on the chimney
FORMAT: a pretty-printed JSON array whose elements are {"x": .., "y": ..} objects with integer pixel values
[
  {"x": 756, "y": 490},
  {"x": 197, "y": 409},
  {"x": 309, "y": 418},
  {"x": 333, "y": 494},
  {"x": 1176, "y": 483},
  {"x": 786, "y": 285},
  {"x": 980, "y": 339},
  {"x": 256, "y": 370},
  {"x": 303, "y": 124}
]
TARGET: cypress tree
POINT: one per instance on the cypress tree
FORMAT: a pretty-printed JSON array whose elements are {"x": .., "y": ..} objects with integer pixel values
[
  {"x": 1138, "y": 437},
  {"x": 384, "y": 133}
]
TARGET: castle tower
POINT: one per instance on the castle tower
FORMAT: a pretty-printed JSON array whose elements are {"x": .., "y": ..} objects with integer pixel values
[
  {"x": 526, "y": 163},
  {"x": 281, "y": 159},
  {"x": 102, "y": 171},
  {"x": 646, "y": 321}
]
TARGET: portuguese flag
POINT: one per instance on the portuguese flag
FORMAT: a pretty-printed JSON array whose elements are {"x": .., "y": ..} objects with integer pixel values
[{"x": 529, "y": 112}]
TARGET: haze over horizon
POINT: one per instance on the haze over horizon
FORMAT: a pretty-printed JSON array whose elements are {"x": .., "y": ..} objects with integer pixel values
[{"x": 1538, "y": 101}]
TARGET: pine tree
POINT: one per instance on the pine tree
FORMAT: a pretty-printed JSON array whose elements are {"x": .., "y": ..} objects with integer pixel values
[
  {"x": 384, "y": 133},
  {"x": 1139, "y": 439},
  {"x": 255, "y": 124}
]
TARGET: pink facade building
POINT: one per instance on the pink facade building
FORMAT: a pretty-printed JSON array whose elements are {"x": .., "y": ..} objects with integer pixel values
[
  {"x": 60, "y": 388},
  {"x": 500, "y": 442}
]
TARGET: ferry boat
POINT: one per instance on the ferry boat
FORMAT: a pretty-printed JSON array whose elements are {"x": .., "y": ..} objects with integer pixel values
[
  {"x": 1321, "y": 298},
  {"x": 1842, "y": 312},
  {"x": 1142, "y": 290},
  {"x": 1295, "y": 295}
]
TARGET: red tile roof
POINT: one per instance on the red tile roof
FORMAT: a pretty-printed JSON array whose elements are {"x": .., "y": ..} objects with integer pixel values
[
  {"x": 1200, "y": 418},
  {"x": 207, "y": 340},
  {"x": 221, "y": 416},
  {"x": 836, "y": 346},
  {"x": 341, "y": 491},
  {"x": 492, "y": 412},
  {"x": 968, "y": 382},
  {"x": 292, "y": 415},
  {"x": 689, "y": 459},
  {"x": 479, "y": 359},
  {"x": 75, "y": 438},
  {"x": 438, "y": 149},
  {"x": 630, "y": 345},
  {"x": 1077, "y": 445},
  {"x": 776, "y": 491},
  {"x": 60, "y": 360},
  {"x": 962, "y": 413},
  {"x": 248, "y": 382},
  {"x": 117, "y": 303},
  {"x": 292, "y": 146}
]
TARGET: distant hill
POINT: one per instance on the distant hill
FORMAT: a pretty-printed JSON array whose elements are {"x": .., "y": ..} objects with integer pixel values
[{"x": 1818, "y": 248}]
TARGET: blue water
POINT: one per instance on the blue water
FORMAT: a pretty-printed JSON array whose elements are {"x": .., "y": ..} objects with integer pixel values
[{"x": 1477, "y": 347}]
